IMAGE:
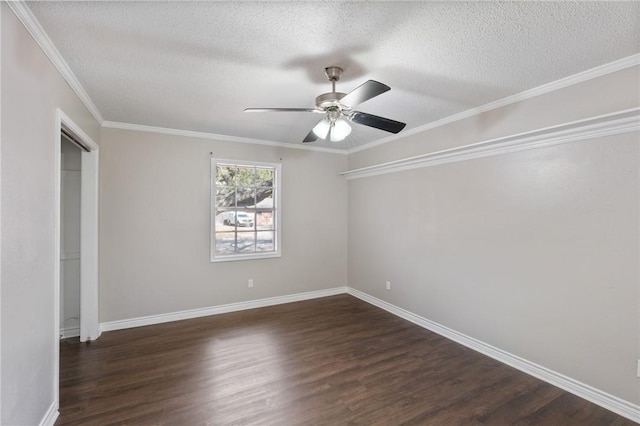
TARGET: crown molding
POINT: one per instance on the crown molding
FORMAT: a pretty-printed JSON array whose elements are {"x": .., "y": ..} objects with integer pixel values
[
  {"x": 580, "y": 77},
  {"x": 32, "y": 25},
  {"x": 34, "y": 28},
  {"x": 600, "y": 126},
  {"x": 217, "y": 137}
]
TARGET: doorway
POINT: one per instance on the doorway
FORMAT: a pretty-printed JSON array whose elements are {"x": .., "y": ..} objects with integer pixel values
[
  {"x": 87, "y": 174},
  {"x": 88, "y": 321}
]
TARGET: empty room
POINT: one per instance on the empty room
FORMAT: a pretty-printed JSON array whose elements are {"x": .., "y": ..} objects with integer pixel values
[{"x": 319, "y": 213}]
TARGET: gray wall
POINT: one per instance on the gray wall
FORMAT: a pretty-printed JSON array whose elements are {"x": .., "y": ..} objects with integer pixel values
[
  {"x": 534, "y": 252},
  {"x": 154, "y": 245},
  {"x": 32, "y": 89}
]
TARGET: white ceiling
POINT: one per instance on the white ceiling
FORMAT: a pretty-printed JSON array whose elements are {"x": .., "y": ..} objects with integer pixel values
[{"x": 196, "y": 65}]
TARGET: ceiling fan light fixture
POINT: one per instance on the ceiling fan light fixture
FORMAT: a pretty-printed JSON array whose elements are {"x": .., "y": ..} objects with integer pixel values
[
  {"x": 340, "y": 130},
  {"x": 321, "y": 129}
]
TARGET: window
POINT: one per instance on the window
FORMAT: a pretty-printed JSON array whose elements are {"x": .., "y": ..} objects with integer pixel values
[{"x": 245, "y": 210}]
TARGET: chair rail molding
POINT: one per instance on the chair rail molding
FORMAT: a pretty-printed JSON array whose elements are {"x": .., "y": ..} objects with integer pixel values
[
  {"x": 624, "y": 121},
  {"x": 604, "y": 69}
]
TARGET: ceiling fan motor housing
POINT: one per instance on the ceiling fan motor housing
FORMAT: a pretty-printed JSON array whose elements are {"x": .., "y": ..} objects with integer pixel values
[{"x": 331, "y": 99}]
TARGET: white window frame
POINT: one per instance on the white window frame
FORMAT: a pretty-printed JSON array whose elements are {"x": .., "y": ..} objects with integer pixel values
[{"x": 277, "y": 196}]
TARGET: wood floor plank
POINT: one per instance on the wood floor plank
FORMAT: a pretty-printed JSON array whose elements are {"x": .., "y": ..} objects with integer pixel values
[{"x": 330, "y": 361}]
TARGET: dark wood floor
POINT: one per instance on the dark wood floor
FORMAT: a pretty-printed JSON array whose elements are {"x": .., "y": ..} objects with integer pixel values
[{"x": 329, "y": 361}]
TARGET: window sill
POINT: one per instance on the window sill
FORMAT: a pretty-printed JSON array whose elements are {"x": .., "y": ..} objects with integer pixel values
[{"x": 236, "y": 257}]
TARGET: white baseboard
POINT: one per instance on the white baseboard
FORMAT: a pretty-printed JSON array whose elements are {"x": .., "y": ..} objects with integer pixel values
[
  {"x": 51, "y": 416},
  {"x": 603, "y": 399},
  {"x": 65, "y": 333},
  {"x": 220, "y": 309}
]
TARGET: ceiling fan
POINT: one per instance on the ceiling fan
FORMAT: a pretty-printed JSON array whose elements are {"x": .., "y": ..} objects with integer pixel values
[{"x": 337, "y": 108}]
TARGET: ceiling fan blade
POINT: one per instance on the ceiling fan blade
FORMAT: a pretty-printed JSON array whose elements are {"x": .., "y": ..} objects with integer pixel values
[
  {"x": 386, "y": 124},
  {"x": 367, "y": 90},
  {"x": 311, "y": 137},
  {"x": 281, "y": 110}
]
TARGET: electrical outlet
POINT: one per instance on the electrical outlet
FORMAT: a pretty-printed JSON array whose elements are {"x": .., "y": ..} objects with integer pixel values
[
  {"x": 638, "y": 372},
  {"x": 250, "y": 283},
  {"x": 388, "y": 285}
]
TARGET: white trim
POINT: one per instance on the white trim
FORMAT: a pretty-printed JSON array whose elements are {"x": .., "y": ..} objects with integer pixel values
[
  {"x": 34, "y": 28},
  {"x": 277, "y": 198},
  {"x": 562, "y": 83},
  {"x": 32, "y": 25},
  {"x": 608, "y": 401},
  {"x": 65, "y": 121},
  {"x": 1, "y": 239},
  {"x": 220, "y": 309},
  {"x": 89, "y": 242},
  {"x": 57, "y": 214},
  {"x": 68, "y": 332},
  {"x": 600, "y": 126},
  {"x": 51, "y": 415},
  {"x": 217, "y": 137},
  {"x": 240, "y": 256},
  {"x": 89, "y": 307}
]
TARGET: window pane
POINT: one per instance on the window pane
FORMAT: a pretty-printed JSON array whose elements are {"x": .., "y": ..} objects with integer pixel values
[
  {"x": 246, "y": 197},
  {"x": 265, "y": 241},
  {"x": 244, "y": 219},
  {"x": 225, "y": 197},
  {"x": 245, "y": 176},
  {"x": 220, "y": 219},
  {"x": 246, "y": 242},
  {"x": 264, "y": 176},
  {"x": 264, "y": 220},
  {"x": 264, "y": 198},
  {"x": 225, "y": 174},
  {"x": 228, "y": 220},
  {"x": 225, "y": 242}
]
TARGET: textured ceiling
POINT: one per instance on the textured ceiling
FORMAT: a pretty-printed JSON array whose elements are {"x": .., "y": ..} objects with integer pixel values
[{"x": 196, "y": 65}]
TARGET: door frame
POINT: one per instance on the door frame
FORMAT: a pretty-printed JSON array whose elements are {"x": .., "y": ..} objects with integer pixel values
[{"x": 89, "y": 296}]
